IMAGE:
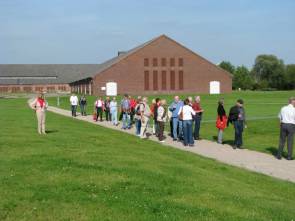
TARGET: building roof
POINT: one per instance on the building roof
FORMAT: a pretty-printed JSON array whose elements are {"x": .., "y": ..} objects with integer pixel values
[{"x": 44, "y": 73}]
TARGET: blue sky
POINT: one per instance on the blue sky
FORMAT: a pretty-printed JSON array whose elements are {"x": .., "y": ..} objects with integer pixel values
[{"x": 91, "y": 31}]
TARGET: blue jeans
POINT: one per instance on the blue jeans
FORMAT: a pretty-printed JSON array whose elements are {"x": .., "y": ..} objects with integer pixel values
[
  {"x": 197, "y": 121},
  {"x": 239, "y": 127},
  {"x": 126, "y": 120},
  {"x": 188, "y": 132},
  {"x": 114, "y": 115},
  {"x": 177, "y": 124},
  {"x": 74, "y": 110},
  {"x": 137, "y": 126}
]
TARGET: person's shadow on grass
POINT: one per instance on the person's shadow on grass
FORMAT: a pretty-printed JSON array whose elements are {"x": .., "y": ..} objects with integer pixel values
[
  {"x": 229, "y": 142},
  {"x": 51, "y": 131}
]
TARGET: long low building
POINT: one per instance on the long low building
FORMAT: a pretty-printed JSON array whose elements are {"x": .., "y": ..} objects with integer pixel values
[{"x": 159, "y": 66}]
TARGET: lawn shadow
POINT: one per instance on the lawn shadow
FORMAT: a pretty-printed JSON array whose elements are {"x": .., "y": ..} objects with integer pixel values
[
  {"x": 229, "y": 142},
  {"x": 51, "y": 131},
  {"x": 274, "y": 151}
]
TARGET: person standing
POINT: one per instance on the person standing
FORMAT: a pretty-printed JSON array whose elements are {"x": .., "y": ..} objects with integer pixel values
[
  {"x": 107, "y": 109},
  {"x": 145, "y": 115},
  {"x": 114, "y": 111},
  {"x": 99, "y": 108},
  {"x": 155, "y": 116},
  {"x": 237, "y": 117},
  {"x": 221, "y": 120},
  {"x": 176, "y": 122},
  {"x": 74, "y": 103},
  {"x": 40, "y": 105},
  {"x": 83, "y": 103},
  {"x": 133, "y": 104},
  {"x": 137, "y": 116},
  {"x": 126, "y": 108},
  {"x": 186, "y": 112},
  {"x": 287, "y": 128},
  {"x": 161, "y": 119},
  {"x": 198, "y": 117}
]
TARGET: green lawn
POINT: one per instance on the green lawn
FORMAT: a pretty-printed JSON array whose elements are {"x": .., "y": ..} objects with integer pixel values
[
  {"x": 81, "y": 171},
  {"x": 261, "y": 134}
]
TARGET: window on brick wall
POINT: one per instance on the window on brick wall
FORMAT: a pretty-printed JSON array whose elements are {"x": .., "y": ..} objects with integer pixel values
[
  {"x": 180, "y": 62},
  {"x": 172, "y": 80},
  {"x": 146, "y": 80},
  {"x": 27, "y": 89},
  {"x": 180, "y": 75},
  {"x": 15, "y": 89},
  {"x": 50, "y": 88},
  {"x": 155, "y": 62},
  {"x": 146, "y": 62},
  {"x": 3, "y": 89},
  {"x": 164, "y": 80},
  {"x": 172, "y": 62},
  {"x": 39, "y": 89},
  {"x": 155, "y": 80},
  {"x": 163, "y": 62}
]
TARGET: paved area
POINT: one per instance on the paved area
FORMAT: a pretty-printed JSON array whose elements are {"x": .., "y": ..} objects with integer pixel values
[{"x": 248, "y": 159}]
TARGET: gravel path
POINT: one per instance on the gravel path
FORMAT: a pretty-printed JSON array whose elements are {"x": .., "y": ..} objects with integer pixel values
[{"x": 248, "y": 159}]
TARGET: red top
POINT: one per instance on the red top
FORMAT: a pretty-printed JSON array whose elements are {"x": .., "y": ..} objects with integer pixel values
[
  {"x": 132, "y": 103},
  {"x": 196, "y": 107},
  {"x": 41, "y": 102}
]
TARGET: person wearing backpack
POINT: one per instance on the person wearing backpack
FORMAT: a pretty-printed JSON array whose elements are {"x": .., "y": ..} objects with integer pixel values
[
  {"x": 221, "y": 120},
  {"x": 125, "y": 109},
  {"x": 161, "y": 119},
  {"x": 137, "y": 116},
  {"x": 237, "y": 117},
  {"x": 145, "y": 115}
]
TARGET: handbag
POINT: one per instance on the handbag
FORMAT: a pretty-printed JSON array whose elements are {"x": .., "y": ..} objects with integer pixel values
[{"x": 180, "y": 116}]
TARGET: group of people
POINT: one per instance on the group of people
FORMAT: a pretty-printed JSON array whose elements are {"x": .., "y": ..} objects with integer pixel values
[{"x": 184, "y": 118}]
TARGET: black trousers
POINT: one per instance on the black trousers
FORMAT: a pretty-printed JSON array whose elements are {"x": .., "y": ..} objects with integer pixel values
[
  {"x": 99, "y": 113},
  {"x": 161, "y": 126},
  {"x": 108, "y": 115},
  {"x": 287, "y": 132}
]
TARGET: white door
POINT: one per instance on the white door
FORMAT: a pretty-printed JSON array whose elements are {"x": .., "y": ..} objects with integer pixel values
[
  {"x": 214, "y": 87},
  {"x": 111, "y": 89}
]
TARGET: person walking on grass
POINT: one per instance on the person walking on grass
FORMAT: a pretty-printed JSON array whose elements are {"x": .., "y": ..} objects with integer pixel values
[
  {"x": 237, "y": 117},
  {"x": 176, "y": 122},
  {"x": 114, "y": 111},
  {"x": 221, "y": 120},
  {"x": 185, "y": 113},
  {"x": 74, "y": 103},
  {"x": 145, "y": 114},
  {"x": 126, "y": 108},
  {"x": 198, "y": 117},
  {"x": 99, "y": 105},
  {"x": 40, "y": 105},
  {"x": 83, "y": 103},
  {"x": 107, "y": 109},
  {"x": 161, "y": 119},
  {"x": 137, "y": 116},
  {"x": 287, "y": 128}
]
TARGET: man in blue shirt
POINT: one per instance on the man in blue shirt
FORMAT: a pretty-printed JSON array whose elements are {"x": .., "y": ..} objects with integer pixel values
[{"x": 176, "y": 122}]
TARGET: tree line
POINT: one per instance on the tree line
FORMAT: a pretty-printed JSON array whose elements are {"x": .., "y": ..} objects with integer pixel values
[{"x": 267, "y": 73}]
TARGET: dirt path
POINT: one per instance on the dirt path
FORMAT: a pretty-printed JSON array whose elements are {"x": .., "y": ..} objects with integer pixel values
[{"x": 248, "y": 159}]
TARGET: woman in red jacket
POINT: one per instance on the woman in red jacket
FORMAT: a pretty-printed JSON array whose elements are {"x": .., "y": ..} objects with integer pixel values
[{"x": 221, "y": 121}]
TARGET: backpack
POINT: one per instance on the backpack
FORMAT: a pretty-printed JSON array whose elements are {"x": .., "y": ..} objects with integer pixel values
[{"x": 137, "y": 111}]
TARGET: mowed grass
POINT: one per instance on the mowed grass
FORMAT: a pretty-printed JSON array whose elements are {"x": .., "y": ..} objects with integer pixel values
[
  {"x": 81, "y": 171},
  {"x": 262, "y": 109}
]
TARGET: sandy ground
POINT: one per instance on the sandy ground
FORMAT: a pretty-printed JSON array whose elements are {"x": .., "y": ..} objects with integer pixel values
[{"x": 248, "y": 159}]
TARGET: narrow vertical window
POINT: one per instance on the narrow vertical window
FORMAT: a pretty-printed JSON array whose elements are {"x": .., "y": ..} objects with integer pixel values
[
  {"x": 180, "y": 75},
  {"x": 172, "y": 62},
  {"x": 155, "y": 62},
  {"x": 146, "y": 62},
  {"x": 146, "y": 80},
  {"x": 164, "y": 80},
  {"x": 172, "y": 80},
  {"x": 180, "y": 62},
  {"x": 163, "y": 62},
  {"x": 155, "y": 80}
]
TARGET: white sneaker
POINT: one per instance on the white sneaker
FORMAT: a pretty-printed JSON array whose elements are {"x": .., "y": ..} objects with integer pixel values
[{"x": 162, "y": 141}]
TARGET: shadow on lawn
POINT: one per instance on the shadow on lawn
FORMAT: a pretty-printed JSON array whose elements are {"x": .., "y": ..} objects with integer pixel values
[
  {"x": 51, "y": 131},
  {"x": 229, "y": 142}
]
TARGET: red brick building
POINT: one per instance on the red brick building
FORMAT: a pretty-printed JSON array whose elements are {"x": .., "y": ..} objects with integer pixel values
[{"x": 160, "y": 66}]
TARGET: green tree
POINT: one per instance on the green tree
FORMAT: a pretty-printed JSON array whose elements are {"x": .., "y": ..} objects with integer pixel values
[
  {"x": 242, "y": 78},
  {"x": 290, "y": 76},
  {"x": 226, "y": 65},
  {"x": 270, "y": 69}
]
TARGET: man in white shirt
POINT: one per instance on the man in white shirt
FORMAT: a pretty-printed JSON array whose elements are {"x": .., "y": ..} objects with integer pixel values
[
  {"x": 287, "y": 120},
  {"x": 74, "y": 103}
]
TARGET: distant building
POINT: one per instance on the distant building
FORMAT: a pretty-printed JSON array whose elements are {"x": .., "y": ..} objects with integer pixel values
[{"x": 160, "y": 66}]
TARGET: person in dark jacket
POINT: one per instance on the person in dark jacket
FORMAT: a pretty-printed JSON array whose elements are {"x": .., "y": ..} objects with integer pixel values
[
  {"x": 221, "y": 121},
  {"x": 107, "y": 109},
  {"x": 83, "y": 103},
  {"x": 237, "y": 117}
]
